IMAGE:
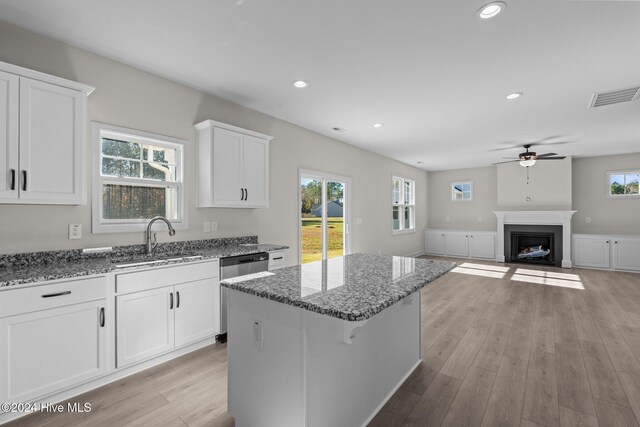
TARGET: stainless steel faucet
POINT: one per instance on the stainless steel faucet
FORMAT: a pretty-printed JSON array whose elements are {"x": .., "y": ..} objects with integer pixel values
[{"x": 151, "y": 245}]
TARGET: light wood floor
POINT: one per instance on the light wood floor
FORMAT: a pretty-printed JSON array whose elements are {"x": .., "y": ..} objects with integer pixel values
[{"x": 522, "y": 347}]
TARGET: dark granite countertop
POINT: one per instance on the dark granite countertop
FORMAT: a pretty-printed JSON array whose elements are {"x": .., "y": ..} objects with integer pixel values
[
  {"x": 354, "y": 287},
  {"x": 27, "y": 268}
]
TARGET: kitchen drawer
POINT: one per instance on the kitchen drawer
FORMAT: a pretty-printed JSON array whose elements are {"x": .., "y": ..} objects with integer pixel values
[
  {"x": 276, "y": 260},
  {"x": 59, "y": 294},
  {"x": 166, "y": 276}
]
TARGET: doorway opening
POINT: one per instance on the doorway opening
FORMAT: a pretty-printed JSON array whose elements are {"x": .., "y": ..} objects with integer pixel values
[{"x": 324, "y": 215}]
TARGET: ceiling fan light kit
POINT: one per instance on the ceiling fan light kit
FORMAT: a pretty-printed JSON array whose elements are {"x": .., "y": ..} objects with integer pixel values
[{"x": 527, "y": 163}]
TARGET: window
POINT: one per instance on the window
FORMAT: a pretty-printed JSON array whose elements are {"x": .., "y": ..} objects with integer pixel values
[
  {"x": 403, "y": 205},
  {"x": 623, "y": 183},
  {"x": 461, "y": 191},
  {"x": 137, "y": 176}
]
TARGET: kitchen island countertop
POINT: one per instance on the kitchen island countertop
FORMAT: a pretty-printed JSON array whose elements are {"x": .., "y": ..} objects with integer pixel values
[{"x": 354, "y": 287}]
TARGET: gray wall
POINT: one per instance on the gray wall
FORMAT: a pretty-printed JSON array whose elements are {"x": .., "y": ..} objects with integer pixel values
[
  {"x": 608, "y": 216},
  {"x": 136, "y": 99},
  {"x": 586, "y": 180},
  {"x": 469, "y": 215}
]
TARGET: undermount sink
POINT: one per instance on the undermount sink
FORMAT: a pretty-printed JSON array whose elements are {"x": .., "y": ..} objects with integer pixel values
[{"x": 139, "y": 260}]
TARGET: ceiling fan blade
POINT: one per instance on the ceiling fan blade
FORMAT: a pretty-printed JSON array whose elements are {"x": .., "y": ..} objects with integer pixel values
[
  {"x": 552, "y": 158},
  {"x": 539, "y": 156},
  {"x": 512, "y": 158},
  {"x": 508, "y": 161}
]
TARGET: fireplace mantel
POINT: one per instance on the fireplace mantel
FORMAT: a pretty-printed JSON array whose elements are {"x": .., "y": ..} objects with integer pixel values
[{"x": 536, "y": 217}]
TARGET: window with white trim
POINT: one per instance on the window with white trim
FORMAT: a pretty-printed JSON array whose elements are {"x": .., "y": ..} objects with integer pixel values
[
  {"x": 623, "y": 183},
  {"x": 138, "y": 175},
  {"x": 403, "y": 209},
  {"x": 461, "y": 191}
]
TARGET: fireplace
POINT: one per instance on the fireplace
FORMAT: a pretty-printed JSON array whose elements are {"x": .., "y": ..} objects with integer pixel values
[
  {"x": 556, "y": 222},
  {"x": 533, "y": 244}
]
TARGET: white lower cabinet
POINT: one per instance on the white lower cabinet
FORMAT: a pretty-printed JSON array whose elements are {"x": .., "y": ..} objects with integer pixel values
[
  {"x": 195, "y": 316},
  {"x": 277, "y": 259},
  {"x": 145, "y": 325},
  {"x": 462, "y": 244},
  {"x": 482, "y": 245},
  {"x": 626, "y": 253},
  {"x": 591, "y": 251},
  {"x": 598, "y": 251},
  {"x": 45, "y": 351},
  {"x": 157, "y": 320}
]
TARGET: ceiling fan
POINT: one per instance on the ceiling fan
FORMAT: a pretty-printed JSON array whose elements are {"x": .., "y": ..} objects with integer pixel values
[{"x": 529, "y": 158}]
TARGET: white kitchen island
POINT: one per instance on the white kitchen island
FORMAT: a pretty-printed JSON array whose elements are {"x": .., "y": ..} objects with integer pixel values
[{"x": 326, "y": 343}]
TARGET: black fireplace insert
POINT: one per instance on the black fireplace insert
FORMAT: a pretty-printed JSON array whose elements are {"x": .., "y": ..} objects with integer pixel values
[{"x": 533, "y": 244}]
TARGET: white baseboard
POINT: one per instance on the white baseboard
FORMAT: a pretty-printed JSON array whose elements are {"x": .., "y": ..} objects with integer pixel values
[{"x": 415, "y": 254}]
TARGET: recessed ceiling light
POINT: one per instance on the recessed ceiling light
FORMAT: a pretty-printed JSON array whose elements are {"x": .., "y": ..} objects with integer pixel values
[
  {"x": 377, "y": 125},
  {"x": 491, "y": 10},
  {"x": 337, "y": 129},
  {"x": 419, "y": 162},
  {"x": 514, "y": 95},
  {"x": 300, "y": 84}
]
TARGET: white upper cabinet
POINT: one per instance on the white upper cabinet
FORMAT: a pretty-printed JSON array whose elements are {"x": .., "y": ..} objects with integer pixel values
[
  {"x": 43, "y": 121},
  {"x": 9, "y": 104},
  {"x": 233, "y": 167}
]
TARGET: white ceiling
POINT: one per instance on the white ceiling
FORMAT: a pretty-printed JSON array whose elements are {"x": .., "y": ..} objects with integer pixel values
[{"x": 433, "y": 73}]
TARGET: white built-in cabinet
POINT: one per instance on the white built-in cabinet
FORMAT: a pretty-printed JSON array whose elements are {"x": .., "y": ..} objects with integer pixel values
[
  {"x": 462, "y": 244},
  {"x": 42, "y": 126},
  {"x": 608, "y": 252},
  {"x": 166, "y": 308},
  {"x": 277, "y": 260},
  {"x": 52, "y": 337},
  {"x": 233, "y": 166}
]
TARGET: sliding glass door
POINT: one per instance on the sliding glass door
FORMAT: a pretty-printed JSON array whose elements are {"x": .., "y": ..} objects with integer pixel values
[{"x": 324, "y": 216}]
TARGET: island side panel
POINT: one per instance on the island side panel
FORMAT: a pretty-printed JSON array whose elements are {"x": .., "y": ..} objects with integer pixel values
[
  {"x": 265, "y": 386},
  {"x": 347, "y": 384}
]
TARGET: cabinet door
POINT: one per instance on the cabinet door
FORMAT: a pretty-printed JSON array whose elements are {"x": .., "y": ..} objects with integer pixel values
[
  {"x": 456, "y": 244},
  {"x": 626, "y": 254},
  {"x": 256, "y": 161},
  {"x": 145, "y": 325},
  {"x": 434, "y": 242},
  {"x": 227, "y": 168},
  {"x": 482, "y": 246},
  {"x": 9, "y": 109},
  {"x": 48, "y": 350},
  {"x": 197, "y": 311},
  {"x": 591, "y": 251},
  {"x": 51, "y": 138}
]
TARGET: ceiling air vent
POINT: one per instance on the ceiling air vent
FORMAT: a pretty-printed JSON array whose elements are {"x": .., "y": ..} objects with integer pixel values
[{"x": 615, "y": 96}]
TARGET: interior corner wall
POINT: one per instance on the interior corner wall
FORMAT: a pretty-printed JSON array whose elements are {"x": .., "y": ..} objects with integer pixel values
[
  {"x": 590, "y": 189},
  {"x": 133, "y": 98},
  {"x": 477, "y": 214}
]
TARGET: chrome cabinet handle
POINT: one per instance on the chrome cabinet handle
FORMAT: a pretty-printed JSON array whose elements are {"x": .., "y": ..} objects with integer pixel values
[
  {"x": 59, "y": 294},
  {"x": 102, "y": 319},
  {"x": 24, "y": 180},
  {"x": 13, "y": 179}
]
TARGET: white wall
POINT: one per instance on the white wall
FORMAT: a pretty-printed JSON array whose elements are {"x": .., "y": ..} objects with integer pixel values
[
  {"x": 608, "y": 215},
  {"x": 133, "y": 98},
  {"x": 548, "y": 187},
  {"x": 469, "y": 215}
]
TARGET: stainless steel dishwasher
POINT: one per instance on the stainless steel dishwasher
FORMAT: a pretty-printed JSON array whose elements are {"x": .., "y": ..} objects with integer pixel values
[{"x": 233, "y": 267}]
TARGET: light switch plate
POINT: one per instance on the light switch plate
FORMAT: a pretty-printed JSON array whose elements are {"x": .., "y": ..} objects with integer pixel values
[
  {"x": 75, "y": 231},
  {"x": 206, "y": 226},
  {"x": 214, "y": 226}
]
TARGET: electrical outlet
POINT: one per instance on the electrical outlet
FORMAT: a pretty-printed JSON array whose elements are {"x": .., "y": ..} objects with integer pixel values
[
  {"x": 206, "y": 225},
  {"x": 75, "y": 231},
  {"x": 258, "y": 335},
  {"x": 448, "y": 219},
  {"x": 214, "y": 226},
  {"x": 588, "y": 220},
  {"x": 359, "y": 221},
  {"x": 479, "y": 219}
]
